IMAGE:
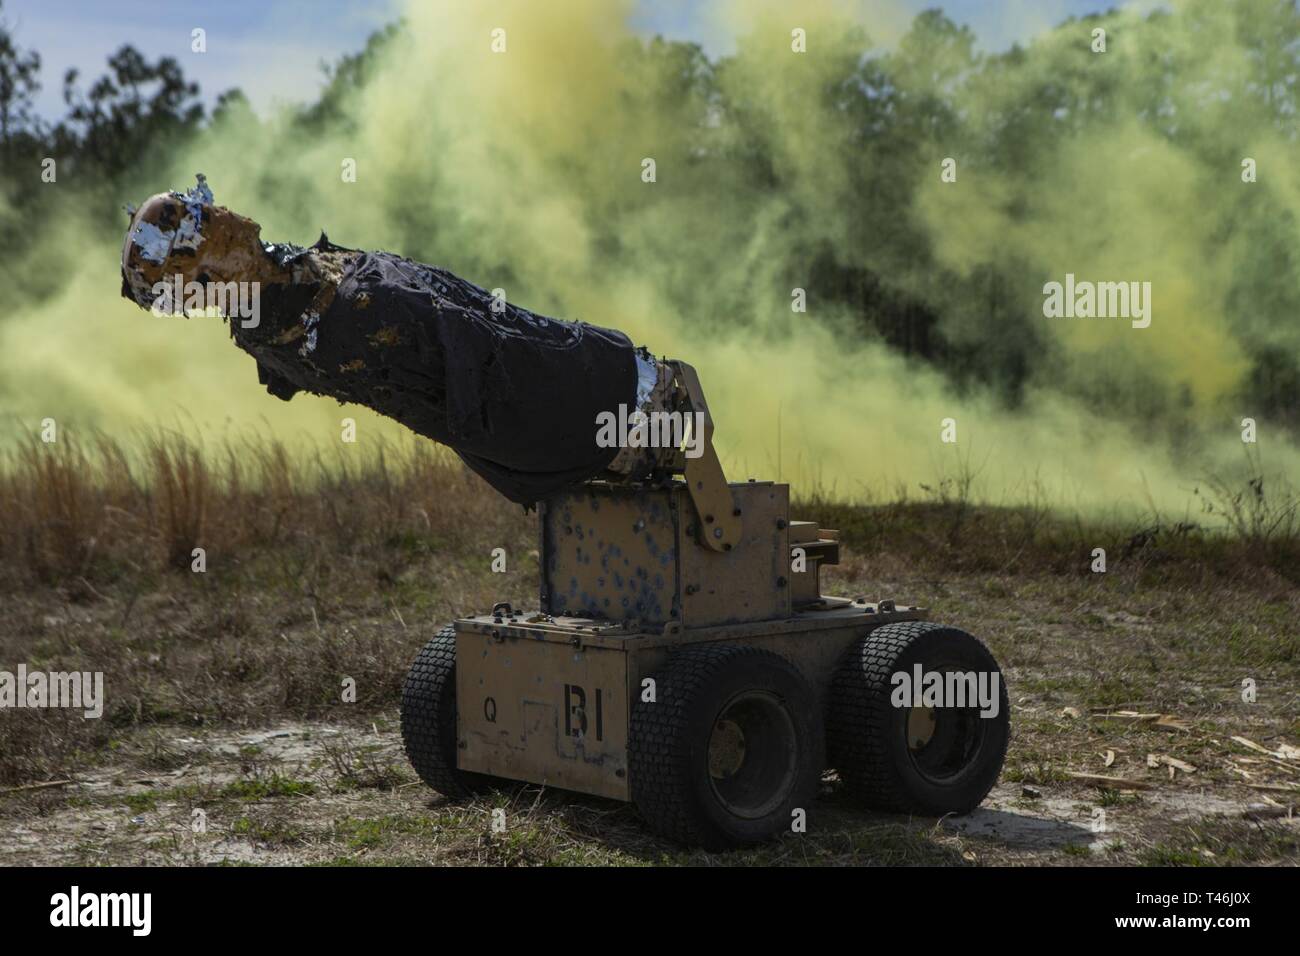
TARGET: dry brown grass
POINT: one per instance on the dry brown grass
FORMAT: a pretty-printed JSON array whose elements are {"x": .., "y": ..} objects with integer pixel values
[
  {"x": 1242, "y": 534},
  {"x": 92, "y": 510},
  {"x": 88, "y": 511},
  {"x": 319, "y": 566}
]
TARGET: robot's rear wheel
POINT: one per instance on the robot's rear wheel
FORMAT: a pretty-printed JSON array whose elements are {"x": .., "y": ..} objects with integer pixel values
[{"x": 907, "y": 759}]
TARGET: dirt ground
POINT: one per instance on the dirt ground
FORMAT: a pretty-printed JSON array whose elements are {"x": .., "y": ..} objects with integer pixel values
[
  {"x": 329, "y": 794},
  {"x": 1133, "y": 743}
]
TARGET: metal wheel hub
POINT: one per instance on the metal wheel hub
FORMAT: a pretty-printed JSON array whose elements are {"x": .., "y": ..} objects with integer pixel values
[{"x": 752, "y": 754}]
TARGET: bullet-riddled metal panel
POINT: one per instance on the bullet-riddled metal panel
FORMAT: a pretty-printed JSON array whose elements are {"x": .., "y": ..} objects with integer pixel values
[
  {"x": 547, "y": 713},
  {"x": 751, "y": 582},
  {"x": 611, "y": 553},
  {"x": 620, "y": 555}
]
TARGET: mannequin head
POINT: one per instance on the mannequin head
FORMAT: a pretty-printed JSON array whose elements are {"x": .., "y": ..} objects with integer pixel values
[{"x": 186, "y": 234}]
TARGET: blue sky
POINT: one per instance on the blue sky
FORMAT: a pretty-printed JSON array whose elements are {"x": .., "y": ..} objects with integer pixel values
[{"x": 272, "y": 49}]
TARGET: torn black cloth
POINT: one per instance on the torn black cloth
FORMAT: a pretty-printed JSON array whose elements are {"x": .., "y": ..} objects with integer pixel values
[{"x": 514, "y": 393}]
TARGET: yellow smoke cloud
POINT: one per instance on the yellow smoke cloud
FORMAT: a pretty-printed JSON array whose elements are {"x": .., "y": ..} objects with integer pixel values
[{"x": 523, "y": 170}]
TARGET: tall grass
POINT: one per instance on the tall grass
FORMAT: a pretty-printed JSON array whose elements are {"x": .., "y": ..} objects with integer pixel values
[
  {"x": 1262, "y": 511},
  {"x": 309, "y": 553},
  {"x": 95, "y": 508},
  {"x": 1249, "y": 522}
]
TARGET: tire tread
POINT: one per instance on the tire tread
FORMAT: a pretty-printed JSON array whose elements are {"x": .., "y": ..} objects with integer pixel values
[
  {"x": 658, "y": 748},
  {"x": 859, "y": 714},
  {"x": 429, "y": 719}
]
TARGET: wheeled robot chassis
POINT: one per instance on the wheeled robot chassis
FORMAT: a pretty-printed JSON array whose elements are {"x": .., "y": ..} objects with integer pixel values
[{"x": 684, "y": 659}]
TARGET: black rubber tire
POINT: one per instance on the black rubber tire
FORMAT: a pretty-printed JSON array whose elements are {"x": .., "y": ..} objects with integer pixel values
[
  {"x": 867, "y": 737},
  {"x": 429, "y": 719},
  {"x": 669, "y": 745}
]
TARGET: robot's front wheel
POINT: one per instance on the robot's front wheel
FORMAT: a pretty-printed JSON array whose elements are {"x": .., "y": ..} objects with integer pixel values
[{"x": 730, "y": 749}]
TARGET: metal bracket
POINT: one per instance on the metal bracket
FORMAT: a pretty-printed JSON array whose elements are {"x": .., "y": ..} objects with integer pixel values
[{"x": 719, "y": 519}]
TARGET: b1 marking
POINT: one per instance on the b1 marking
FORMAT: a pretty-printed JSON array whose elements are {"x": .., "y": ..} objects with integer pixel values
[{"x": 575, "y": 712}]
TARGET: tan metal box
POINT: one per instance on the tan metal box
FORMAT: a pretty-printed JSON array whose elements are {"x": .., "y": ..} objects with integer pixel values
[
  {"x": 544, "y": 710},
  {"x": 634, "y": 555}
]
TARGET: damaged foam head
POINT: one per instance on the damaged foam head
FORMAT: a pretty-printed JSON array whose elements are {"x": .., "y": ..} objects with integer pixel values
[{"x": 186, "y": 234}]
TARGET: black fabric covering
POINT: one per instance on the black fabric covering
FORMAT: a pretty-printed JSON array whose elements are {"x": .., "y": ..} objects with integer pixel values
[{"x": 514, "y": 393}]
